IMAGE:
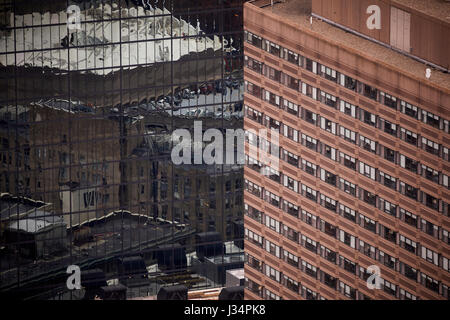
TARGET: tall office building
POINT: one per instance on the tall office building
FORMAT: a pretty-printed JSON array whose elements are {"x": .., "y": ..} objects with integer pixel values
[
  {"x": 90, "y": 95},
  {"x": 359, "y": 93}
]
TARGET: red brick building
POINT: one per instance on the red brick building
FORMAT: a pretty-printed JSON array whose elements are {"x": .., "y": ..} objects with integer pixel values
[{"x": 364, "y": 139}]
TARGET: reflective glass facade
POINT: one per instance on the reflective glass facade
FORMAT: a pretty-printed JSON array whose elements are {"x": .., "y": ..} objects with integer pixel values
[{"x": 90, "y": 94}]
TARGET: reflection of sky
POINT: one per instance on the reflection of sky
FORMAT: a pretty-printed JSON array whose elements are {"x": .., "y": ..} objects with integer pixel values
[{"x": 110, "y": 54}]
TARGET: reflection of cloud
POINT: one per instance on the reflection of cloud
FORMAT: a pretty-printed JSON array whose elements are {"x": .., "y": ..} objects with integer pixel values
[{"x": 101, "y": 44}]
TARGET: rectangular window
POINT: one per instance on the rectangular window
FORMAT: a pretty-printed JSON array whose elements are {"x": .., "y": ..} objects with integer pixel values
[
  {"x": 309, "y": 269},
  {"x": 388, "y": 181},
  {"x": 408, "y": 163},
  {"x": 347, "y": 212},
  {"x": 311, "y": 65},
  {"x": 331, "y": 152},
  {"x": 347, "y": 161},
  {"x": 347, "y": 238},
  {"x": 309, "y": 142},
  {"x": 388, "y": 207},
  {"x": 290, "y": 158},
  {"x": 430, "y": 201},
  {"x": 328, "y": 177},
  {"x": 369, "y": 92},
  {"x": 408, "y": 136},
  {"x": 389, "y": 287},
  {"x": 328, "y": 125},
  {"x": 290, "y": 107},
  {"x": 290, "y": 56},
  {"x": 429, "y": 255},
  {"x": 388, "y": 154},
  {"x": 348, "y": 265},
  {"x": 309, "y": 193},
  {"x": 367, "y": 170},
  {"x": 290, "y": 208},
  {"x": 388, "y": 127},
  {"x": 347, "y": 134},
  {"x": 388, "y": 100},
  {"x": 328, "y": 99},
  {"x": 347, "y": 82},
  {"x": 309, "y": 218},
  {"x": 253, "y": 114},
  {"x": 347, "y": 186},
  {"x": 368, "y": 197},
  {"x": 431, "y": 119},
  {"x": 408, "y": 244},
  {"x": 429, "y": 228},
  {"x": 272, "y": 123},
  {"x": 388, "y": 233},
  {"x": 348, "y": 108},
  {"x": 272, "y": 248},
  {"x": 367, "y": 144},
  {"x": 328, "y": 203},
  {"x": 328, "y": 254},
  {"x": 253, "y": 237},
  {"x": 291, "y": 234},
  {"x": 367, "y": 249},
  {"x": 290, "y": 133},
  {"x": 430, "y": 146},
  {"x": 328, "y": 73},
  {"x": 309, "y": 116},
  {"x": 430, "y": 173},
  {"x": 309, "y": 244},
  {"x": 290, "y": 258},
  {"x": 368, "y": 118},
  {"x": 408, "y": 271},
  {"x": 272, "y": 198},
  {"x": 386, "y": 259},
  {"x": 290, "y": 183},
  {"x": 409, "y": 109},
  {"x": 253, "y": 39},
  {"x": 409, "y": 190},
  {"x": 429, "y": 282},
  {"x": 368, "y": 223},
  {"x": 272, "y": 223},
  {"x": 309, "y": 167},
  {"x": 272, "y": 273},
  {"x": 253, "y": 64}
]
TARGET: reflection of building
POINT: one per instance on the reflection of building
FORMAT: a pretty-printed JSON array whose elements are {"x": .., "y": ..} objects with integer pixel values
[
  {"x": 85, "y": 122},
  {"x": 187, "y": 194},
  {"x": 54, "y": 162},
  {"x": 37, "y": 235},
  {"x": 364, "y": 138},
  {"x": 13, "y": 208}
]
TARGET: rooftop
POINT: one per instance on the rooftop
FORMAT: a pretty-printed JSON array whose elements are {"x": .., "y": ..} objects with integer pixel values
[
  {"x": 439, "y": 9},
  {"x": 12, "y": 207},
  {"x": 32, "y": 225},
  {"x": 297, "y": 12}
]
